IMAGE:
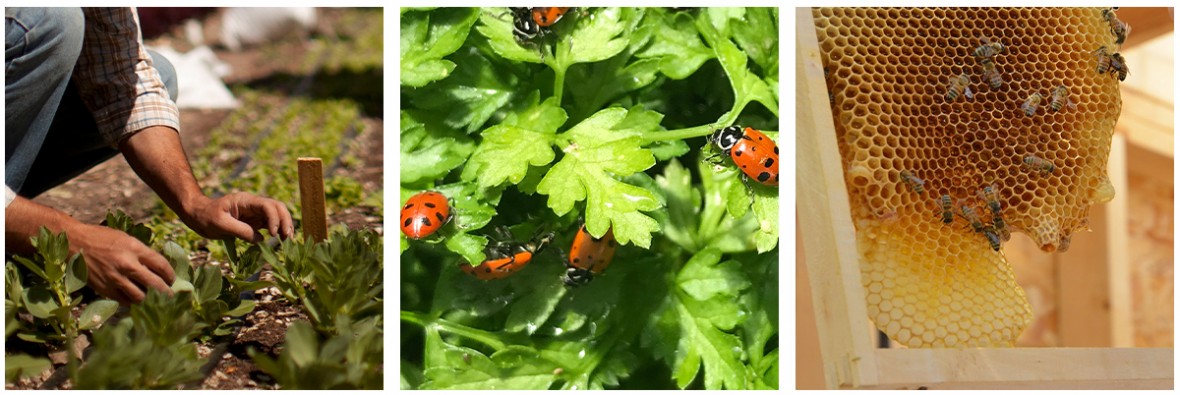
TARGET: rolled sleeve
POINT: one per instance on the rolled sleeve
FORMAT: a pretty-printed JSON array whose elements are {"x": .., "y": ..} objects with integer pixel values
[{"x": 116, "y": 77}]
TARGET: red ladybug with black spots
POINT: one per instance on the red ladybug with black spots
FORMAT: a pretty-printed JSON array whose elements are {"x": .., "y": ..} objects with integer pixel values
[
  {"x": 505, "y": 257},
  {"x": 755, "y": 154},
  {"x": 424, "y": 214},
  {"x": 530, "y": 22},
  {"x": 589, "y": 256}
]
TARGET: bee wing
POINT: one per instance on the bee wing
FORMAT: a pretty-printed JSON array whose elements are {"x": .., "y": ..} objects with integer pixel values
[{"x": 967, "y": 92}]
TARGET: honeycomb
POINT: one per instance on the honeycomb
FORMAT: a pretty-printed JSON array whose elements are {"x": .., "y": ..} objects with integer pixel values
[{"x": 935, "y": 284}]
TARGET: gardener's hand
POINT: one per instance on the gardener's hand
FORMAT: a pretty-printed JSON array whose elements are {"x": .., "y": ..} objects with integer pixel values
[
  {"x": 119, "y": 266},
  {"x": 240, "y": 215}
]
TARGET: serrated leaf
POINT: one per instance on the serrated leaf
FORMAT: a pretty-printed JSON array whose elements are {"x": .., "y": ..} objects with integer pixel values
[
  {"x": 747, "y": 87},
  {"x": 429, "y": 152},
  {"x": 425, "y": 40},
  {"x": 508, "y": 149},
  {"x": 470, "y": 97},
  {"x": 96, "y": 313},
  {"x": 593, "y": 38},
  {"x": 766, "y": 213},
  {"x": 684, "y": 204},
  {"x": 599, "y": 151},
  {"x": 757, "y": 34},
  {"x": 534, "y": 308},
  {"x": 677, "y": 45}
]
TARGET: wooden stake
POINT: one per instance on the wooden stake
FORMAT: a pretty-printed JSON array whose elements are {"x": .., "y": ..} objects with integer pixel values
[{"x": 311, "y": 193}]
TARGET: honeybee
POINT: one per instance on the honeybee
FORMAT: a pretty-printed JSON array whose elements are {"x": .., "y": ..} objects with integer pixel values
[
  {"x": 1103, "y": 59},
  {"x": 958, "y": 86},
  {"x": 989, "y": 49},
  {"x": 1001, "y": 228},
  {"x": 913, "y": 181},
  {"x": 1117, "y": 63},
  {"x": 1119, "y": 28},
  {"x": 992, "y": 239},
  {"x": 971, "y": 217},
  {"x": 1060, "y": 98},
  {"x": 1032, "y": 103},
  {"x": 948, "y": 211},
  {"x": 989, "y": 195},
  {"x": 991, "y": 74},
  {"x": 1036, "y": 163}
]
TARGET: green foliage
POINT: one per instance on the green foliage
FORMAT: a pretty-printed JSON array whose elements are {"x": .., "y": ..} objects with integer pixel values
[
  {"x": 600, "y": 121},
  {"x": 19, "y": 366},
  {"x": 152, "y": 349},
  {"x": 349, "y": 360},
  {"x": 336, "y": 282},
  {"x": 49, "y": 292}
]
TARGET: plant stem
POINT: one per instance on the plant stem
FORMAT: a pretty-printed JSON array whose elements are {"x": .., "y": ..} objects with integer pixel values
[
  {"x": 481, "y": 336},
  {"x": 679, "y": 134},
  {"x": 558, "y": 83}
]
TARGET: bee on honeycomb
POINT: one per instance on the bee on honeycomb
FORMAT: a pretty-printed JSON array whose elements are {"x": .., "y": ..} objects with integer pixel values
[
  {"x": 957, "y": 86},
  {"x": 1060, "y": 98},
  {"x": 913, "y": 181},
  {"x": 1119, "y": 28},
  {"x": 991, "y": 74},
  {"x": 948, "y": 211},
  {"x": 989, "y": 49},
  {"x": 1117, "y": 63},
  {"x": 1032, "y": 103},
  {"x": 1037, "y": 164}
]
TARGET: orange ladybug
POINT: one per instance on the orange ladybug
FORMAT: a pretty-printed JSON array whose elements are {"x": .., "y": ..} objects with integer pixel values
[
  {"x": 424, "y": 214},
  {"x": 506, "y": 257},
  {"x": 589, "y": 256},
  {"x": 752, "y": 151}
]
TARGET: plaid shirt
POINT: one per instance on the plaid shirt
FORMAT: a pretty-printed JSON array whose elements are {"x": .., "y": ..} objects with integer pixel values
[{"x": 116, "y": 78}]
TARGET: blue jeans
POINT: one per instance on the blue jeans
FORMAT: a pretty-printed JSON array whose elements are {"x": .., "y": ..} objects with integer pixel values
[{"x": 51, "y": 136}]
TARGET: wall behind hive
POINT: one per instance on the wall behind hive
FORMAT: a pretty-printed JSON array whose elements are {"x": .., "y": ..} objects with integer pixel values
[{"x": 1151, "y": 248}]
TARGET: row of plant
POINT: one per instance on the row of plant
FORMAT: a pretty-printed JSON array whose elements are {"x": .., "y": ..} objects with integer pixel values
[
  {"x": 602, "y": 117},
  {"x": 154, "y": 345}
]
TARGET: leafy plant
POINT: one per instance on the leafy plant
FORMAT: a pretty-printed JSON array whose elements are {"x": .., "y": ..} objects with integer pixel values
[
  {"x": 337, "y": 283},
  {"x": 593, "y": 122},
  {"x": 152, "y": 349},
  {"x": 349, "y": 360},
  {"x": 215, "y": 300}
]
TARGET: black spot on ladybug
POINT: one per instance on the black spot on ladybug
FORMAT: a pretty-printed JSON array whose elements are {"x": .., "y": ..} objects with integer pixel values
[
  {"x": 737, "y": 153},
  {"x": 576, "y": 260},
  {"x": 769, "y": 162},
  {"x": 439, "y": 216},
  {"x": 408, "y": 205},
  {"x": 426, "y": 221},
  {"x": 776, "y": 150},
  {"x": 487, "y": 269},
  {"x": 408, "y": 222},
  {"x": 762, "y": 177},
  {"x": 429, "y": 204}
]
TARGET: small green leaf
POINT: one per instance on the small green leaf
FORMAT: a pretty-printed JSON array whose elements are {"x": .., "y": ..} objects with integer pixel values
[
  {"x": 534, "y": 307},
  {"x": 40, "y": 301},
  {"x": 424, "y": 41},
  {"x": 181, "y": 285},
  {"x": 677, "y": 45},
  {"x": 477, "y": 91},
  {"x": 19, "y": 366},
  {"x": 430, "y": 152},
  {"x": 178, "y": 257},
  {"x": 208, "y": 283},
  {"x": 594, "y": 38},
  {"x": 508, "y": 149},
  {"x": 96, "y": 313},
  {"x": 241, "y": 309}
]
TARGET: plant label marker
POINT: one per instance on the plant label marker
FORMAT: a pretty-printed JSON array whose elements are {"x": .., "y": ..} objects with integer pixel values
[{"x": 311, "y": 194}]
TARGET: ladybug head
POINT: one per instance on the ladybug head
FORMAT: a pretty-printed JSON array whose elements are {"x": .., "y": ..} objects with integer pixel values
[
  {"x": 725, "y": 138},
  {"x": 576, "y": 277},
  {"x": 540, "y": 242},
  {"x": 523, "y": 26}
]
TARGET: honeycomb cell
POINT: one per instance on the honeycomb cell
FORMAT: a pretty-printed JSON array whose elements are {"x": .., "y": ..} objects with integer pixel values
[{"x": 890, "y": 88}]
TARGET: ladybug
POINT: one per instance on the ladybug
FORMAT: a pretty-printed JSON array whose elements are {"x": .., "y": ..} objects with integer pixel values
[
  {"x": 589, "y": 256},
  {"x": 506, "y": 257},
  {"x": 424, "y": 214},
  {"x": 530, "y": 22},
  {"x": 752, "y": 151}
]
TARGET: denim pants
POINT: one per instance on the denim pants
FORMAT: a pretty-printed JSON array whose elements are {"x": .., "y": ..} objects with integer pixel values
[{"x": 50, "y": 135}]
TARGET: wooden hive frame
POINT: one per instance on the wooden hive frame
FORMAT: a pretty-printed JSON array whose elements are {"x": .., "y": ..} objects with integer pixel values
[{"x": 849, "y": 356}]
